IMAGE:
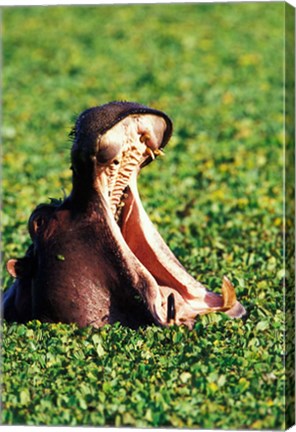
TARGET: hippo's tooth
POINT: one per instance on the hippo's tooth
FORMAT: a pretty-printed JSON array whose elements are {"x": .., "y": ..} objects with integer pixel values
[
  {"x": 159, "y": 152},
  {"x": 228, "y": 293},
  {"x": 144, "y": 138},
  {"x": 149, "y": 151},
  {"x": 171, "y": 310}
]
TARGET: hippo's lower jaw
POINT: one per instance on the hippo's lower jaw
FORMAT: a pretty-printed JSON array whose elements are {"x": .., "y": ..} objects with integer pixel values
[
  {"x": 171, "y": 294},
  {"x": 190, "y": 297}
]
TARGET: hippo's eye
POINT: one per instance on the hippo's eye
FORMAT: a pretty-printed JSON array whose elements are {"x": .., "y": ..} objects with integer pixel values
[{"x": 35, "y": 224}]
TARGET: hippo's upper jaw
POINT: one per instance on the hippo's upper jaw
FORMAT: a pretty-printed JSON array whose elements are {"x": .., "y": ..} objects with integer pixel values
[
  {"x": 122, "y": 151},
  {"x": 111, "y": 252}
]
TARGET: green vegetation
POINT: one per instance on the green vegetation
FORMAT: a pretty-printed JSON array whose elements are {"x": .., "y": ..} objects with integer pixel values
[{"x": 217, "y": 71}]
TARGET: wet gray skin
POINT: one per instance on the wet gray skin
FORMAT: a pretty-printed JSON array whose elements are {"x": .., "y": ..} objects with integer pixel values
[{"x": 96, "y": 258}]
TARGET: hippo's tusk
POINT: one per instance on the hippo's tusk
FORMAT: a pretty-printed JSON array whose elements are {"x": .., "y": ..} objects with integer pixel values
[
  {"x": 159, "y": 152},
  {"x": 171, "y": 311},
  {"x": 228, "y": 293},
  {"x": 150, "y": 152}
]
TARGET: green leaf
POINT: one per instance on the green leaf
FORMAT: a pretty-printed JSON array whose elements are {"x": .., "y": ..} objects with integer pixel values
[
  {"x": 262, "y": 325},
  {"x": 25, "y": 397},
  {"x": 60, "y": 257},
  {"x": 97, "y": 340}
]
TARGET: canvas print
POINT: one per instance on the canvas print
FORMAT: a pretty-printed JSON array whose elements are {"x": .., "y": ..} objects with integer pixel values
[{"x": 148, "y": 216}]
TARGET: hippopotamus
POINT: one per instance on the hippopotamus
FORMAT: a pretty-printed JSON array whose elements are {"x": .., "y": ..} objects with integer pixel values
[{"x": 96, "y": 258}]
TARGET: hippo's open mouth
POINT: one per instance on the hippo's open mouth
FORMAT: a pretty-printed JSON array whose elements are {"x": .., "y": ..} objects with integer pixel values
[
  {"x": 120, "y": 154},
  {"x": 104, "y": 219}
]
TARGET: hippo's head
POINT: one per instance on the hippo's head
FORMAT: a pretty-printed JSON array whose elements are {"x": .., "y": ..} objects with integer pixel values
[{"x": 96, "y": 258}]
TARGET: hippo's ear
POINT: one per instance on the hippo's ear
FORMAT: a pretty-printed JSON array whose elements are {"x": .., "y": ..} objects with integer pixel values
[
  {"x": 21, "y": 267},
  {"x": 41, "y": 216},
  {"x": 11, "y": 267}
]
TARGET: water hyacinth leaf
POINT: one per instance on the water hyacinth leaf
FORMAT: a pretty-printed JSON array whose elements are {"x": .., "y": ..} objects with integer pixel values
[
  {"x": 262, "y": 325},
  {"x": 25, "y": 397}
]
